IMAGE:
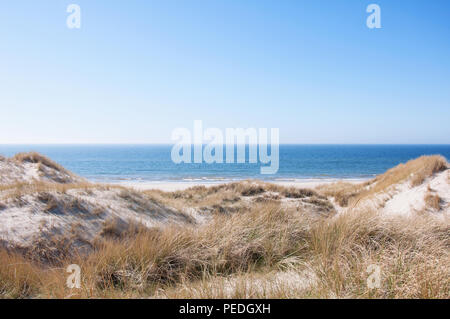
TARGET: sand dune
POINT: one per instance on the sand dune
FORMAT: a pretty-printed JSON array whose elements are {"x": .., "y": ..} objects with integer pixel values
[
  {"x": 42, "y": 199},
  {"x": 32, "y": 167},
  {"x": 237, "y": 240}
]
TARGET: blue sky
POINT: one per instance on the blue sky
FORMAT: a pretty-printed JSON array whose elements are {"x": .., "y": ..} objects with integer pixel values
[{"x": 138, "y": 69}]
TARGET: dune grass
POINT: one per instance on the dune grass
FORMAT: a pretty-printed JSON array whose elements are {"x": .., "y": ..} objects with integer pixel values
[
  {"x": 34, "y": 157},
  {"x": 238, "y": 196},
  {"x": 245, "y": 249},
  {"x": 19, "y": 189},
  {"x": 433, "y": 201}
]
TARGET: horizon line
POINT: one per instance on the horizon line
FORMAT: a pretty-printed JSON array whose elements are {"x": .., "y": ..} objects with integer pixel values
[{"x": 193, "y": 144}]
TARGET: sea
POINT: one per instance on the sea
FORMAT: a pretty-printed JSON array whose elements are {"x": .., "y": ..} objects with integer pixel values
[{"x": 153, "y": 163}]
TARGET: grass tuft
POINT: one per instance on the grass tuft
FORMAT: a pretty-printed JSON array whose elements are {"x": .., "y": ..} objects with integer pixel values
[
  {"x": 33, "y": 157},
  {"x": 433, "y": 201}
]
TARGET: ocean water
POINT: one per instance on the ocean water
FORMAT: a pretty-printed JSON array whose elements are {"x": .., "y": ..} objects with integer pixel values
[{"x": 146, "y": 163}]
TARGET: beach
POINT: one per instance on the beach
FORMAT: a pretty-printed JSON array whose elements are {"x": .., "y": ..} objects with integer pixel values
[{"x": 136, "y": 229}]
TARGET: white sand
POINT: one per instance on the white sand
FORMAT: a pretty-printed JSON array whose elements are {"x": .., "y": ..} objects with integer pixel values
[{"x": 405, "y": 199}]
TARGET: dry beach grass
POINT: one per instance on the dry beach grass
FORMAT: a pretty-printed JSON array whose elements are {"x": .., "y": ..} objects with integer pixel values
[
  {"x": 184, "y": 262},
  {"x": 257, "y": 240}
]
